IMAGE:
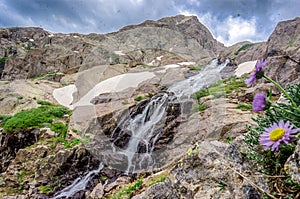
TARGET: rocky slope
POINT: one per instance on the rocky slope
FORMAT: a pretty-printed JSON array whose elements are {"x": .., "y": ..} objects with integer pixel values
[
  {"x": 38, "y": 162},
  {"x": 29, "y": 52}
]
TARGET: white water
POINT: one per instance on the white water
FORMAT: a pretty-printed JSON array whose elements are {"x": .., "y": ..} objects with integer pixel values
[
  {"x": 142, "y": 127},
  {"x": 78, "y": 185},
  {"x": 208, "y": 75}
]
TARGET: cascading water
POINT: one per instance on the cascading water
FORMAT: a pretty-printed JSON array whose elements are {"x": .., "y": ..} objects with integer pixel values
[
  {"x": 145, "y": 129},
  {"x": 142, "y": 127},
  {"x": 79, "y": 184},
  {"x": 208, "y": 75}
]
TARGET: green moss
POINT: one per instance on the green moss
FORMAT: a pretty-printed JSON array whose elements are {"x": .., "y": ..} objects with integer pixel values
[
  {"x": 34, "y": 118},
  {"x": 244, "y": 47}
]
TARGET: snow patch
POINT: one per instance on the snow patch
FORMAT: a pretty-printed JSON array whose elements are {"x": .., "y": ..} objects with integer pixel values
[
  {"x": 186, "y": 63},
  {"x": 245, "y": 68},
  {"x": 64, "y": 95},
  {"x": 119, "y": 52}
]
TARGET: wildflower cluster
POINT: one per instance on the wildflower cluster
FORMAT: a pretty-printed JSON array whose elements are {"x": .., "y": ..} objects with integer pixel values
[
  {"x": 279, "y": 132},
  {"x": 273, "y": 140}
]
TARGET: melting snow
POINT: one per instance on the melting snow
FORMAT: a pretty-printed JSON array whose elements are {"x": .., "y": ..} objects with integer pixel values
[{"x": 244, "y": 68}]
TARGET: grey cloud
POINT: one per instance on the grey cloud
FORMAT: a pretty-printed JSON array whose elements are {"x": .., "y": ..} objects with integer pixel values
[{"x": 103, "y": 16}]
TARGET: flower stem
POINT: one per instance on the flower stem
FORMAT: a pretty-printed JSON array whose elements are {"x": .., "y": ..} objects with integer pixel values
[{"x": 282, "y": 90}]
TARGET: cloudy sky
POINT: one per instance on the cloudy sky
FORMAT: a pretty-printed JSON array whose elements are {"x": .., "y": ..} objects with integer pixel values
[{"x": 230, "y": 21}]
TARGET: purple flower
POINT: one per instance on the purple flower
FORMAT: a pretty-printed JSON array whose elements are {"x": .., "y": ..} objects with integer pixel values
[
  {"x": 257, "y": 73},
  {"x": 259, "y": 102},
  {"x": 277, "y": 133}
]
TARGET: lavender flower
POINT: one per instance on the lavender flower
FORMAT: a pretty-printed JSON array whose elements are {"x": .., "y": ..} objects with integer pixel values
[
  {"x": 259, "y": 102},
  {"x": 257, "y": 73},
  {"x": 277, "y": 133}
]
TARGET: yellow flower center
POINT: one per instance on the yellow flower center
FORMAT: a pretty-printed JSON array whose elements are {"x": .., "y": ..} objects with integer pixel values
[{"x": 276, "y": 134}]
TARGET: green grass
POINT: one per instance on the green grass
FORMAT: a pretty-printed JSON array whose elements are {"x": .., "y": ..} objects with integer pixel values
[
  {"x": 244, "y": 107},
  {"x": 45, "y": 189},
  {"x": 138, "y": 98},
  {"x": 44, "y": 75},
  {"x": 42, "y": 102},
  {"x": 157, "y": 180},
  {"x": 3, "y": 59},
  {"x": 59, "y": 128},
  {"x": 127, "y": 191},
  {"x": 229, "y": 139},
  {"x": 220, "y": 88},
  {"x": 199, "y": 67},
  {"x": 3, "y": 119},
  {"x": 244, "y": 47},
  {"x": 41, "y": 116}
]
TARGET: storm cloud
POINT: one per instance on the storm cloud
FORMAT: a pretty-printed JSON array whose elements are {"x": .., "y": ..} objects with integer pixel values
[{"x": 230, "y": 21}]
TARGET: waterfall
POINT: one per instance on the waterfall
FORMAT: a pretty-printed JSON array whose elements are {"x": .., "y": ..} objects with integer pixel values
[
  {"x": 144, "y": 130},
  {"x": 143, "y": 126},
  {"x": 79, "y": 184}
]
